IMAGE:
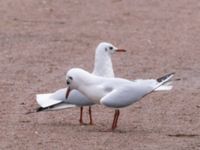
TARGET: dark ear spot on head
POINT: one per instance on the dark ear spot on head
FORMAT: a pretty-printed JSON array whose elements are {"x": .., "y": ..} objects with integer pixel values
[
  {"x": 70, "y": 78},
  {"x": 106, "y": 49}
]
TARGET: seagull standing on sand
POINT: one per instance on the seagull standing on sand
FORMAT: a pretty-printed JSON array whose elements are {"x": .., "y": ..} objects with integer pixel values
[
  {"x": 113, "y": 92},
  {"x": 102, "y": 67}
]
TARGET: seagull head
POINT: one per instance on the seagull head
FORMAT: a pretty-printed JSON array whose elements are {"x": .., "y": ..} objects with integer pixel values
[
  {"x": 103, "y": 63},
  {"x": 74, "y": 78},
  {"x": 108, "y": 49}
]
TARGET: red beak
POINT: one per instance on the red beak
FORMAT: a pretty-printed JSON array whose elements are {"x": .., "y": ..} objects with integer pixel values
[
  {"x": 120, "y": 50},
  {"x": 67, "y": 92}
]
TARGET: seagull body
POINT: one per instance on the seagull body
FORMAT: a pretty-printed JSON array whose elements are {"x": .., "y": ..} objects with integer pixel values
[
  {"x": 112, "y": 92},
  {"x": 100, "y": 89},
  {"x": 102, "y": 67}
]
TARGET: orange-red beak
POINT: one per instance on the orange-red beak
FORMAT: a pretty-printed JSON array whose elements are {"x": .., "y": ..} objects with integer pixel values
[
  {"x": 120, "y": 50},
  {"x": 67, "y": 92}
]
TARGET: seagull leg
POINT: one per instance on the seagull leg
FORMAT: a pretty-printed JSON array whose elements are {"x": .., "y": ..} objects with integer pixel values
[
  {"x": 90, "y": 114},
  {"x": 118, "y": 113},
  {"x": 81, "y": 115},
  {"x": 113, "y": 124},
  {"x": 116, "y": 116}
]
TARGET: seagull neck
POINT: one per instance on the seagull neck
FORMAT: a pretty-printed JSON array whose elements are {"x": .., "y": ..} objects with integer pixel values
[
  {"x": 103, "y": 65},
  {"x": 87, "y": 80}
]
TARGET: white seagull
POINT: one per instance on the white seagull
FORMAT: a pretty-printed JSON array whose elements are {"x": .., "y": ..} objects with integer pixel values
[
  {"x": 102, "y": 67},
  {"x": 113, "y": 92}
]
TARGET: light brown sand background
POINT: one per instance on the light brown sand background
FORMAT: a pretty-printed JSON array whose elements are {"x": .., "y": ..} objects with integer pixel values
[{"x": 41, "y": 39}]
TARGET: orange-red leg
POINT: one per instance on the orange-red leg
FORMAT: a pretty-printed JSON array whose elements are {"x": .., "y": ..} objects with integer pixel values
[
  {"x": 114, "y": 119},
  {"x": 90, "y": 114},
  {"x": 116, "y": 116},
  {"x": 118, "y": 113},
  {"x": 81, "y": 115}
]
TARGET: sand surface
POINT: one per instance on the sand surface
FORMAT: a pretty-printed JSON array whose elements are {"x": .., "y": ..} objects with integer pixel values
[{"x": 41, "y": 39}]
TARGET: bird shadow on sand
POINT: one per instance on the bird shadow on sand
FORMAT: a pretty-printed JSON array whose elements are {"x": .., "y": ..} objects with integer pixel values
[
  {"x": 76, "y": 126},
  {"x": 60, "y": 124},
  {"x": 106, "y": 129},
  {"x": 90, "y": 128}
]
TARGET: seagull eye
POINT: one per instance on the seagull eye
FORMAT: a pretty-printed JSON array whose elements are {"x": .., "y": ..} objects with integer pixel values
[
  {"x": 68, "y": 82},
  {"x": 111, "y": 48}
]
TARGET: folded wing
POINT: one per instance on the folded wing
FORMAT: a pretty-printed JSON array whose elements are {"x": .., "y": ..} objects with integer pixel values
[
  {"x": 122, "y": 97},
  {"x": 126, "y": 95}
]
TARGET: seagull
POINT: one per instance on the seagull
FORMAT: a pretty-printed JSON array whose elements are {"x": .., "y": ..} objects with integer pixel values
[
  {"x": 113, "y": 92},
  {"x": 102, "y": 67}
]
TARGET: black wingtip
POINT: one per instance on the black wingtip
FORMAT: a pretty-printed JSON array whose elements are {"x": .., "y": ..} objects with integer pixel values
[
  {"x": 41, "y": 109},
  {"x": 165, "y": 77}
]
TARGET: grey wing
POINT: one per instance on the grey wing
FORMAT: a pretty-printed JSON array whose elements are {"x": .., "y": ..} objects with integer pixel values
[
  {"x": 77, "y": 98},
  {"x": 124, "y": 96},
  {"x": 57, "y": 100},
  {"x": 49, "y": 99},
  {"x": 59, "y": 94}
]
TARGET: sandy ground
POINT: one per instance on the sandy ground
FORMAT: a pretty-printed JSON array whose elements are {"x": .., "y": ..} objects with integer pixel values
[{"x": 41, "y": 39}]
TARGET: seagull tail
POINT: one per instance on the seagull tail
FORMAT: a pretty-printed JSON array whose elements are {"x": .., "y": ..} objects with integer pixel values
[{"x": 165, "y": 82}]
